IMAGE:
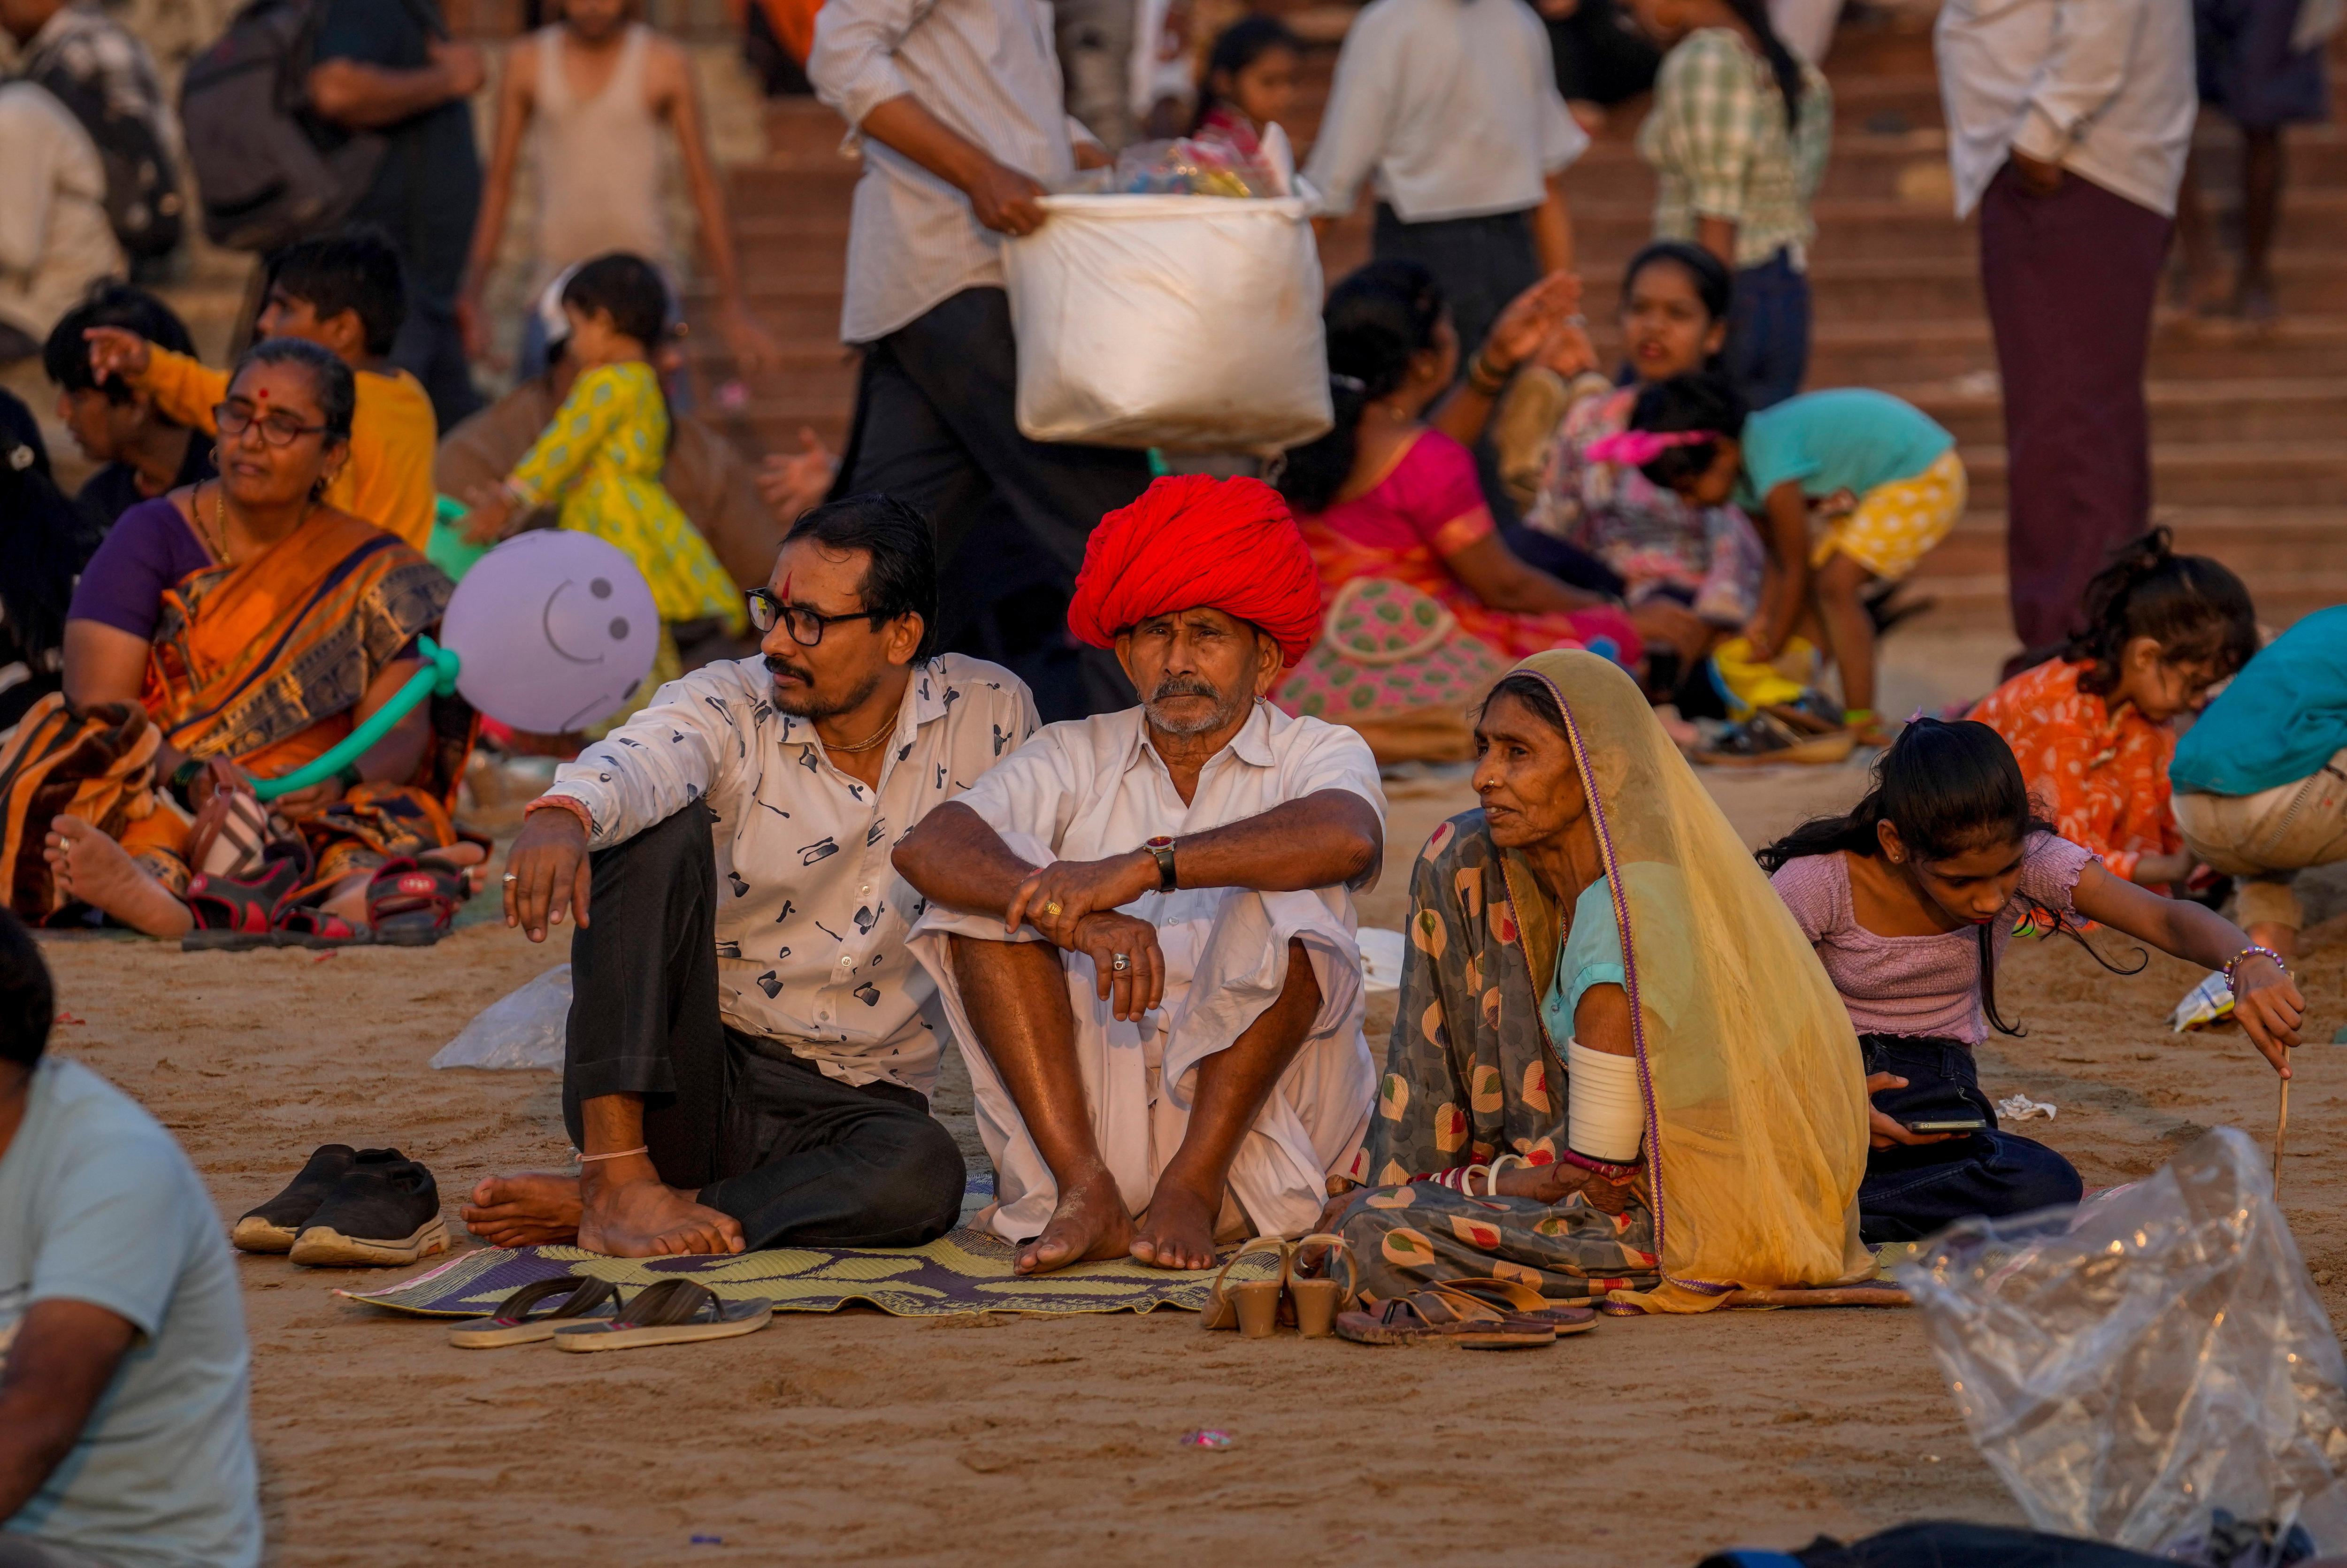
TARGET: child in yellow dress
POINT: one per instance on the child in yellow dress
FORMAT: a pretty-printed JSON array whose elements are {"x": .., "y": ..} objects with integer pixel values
[{"x": 598, "y": 462}]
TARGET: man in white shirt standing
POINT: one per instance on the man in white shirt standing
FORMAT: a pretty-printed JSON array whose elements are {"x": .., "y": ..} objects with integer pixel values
[
  {"x": 55, "y": 240},
  {"x": 1450, "y": 106},
  {"x": 751, "y": 1051},
  {"x": 1141, "y": 923},
  {"x": 958, "y": 107},
  {"x": 2068, "y": 122}
]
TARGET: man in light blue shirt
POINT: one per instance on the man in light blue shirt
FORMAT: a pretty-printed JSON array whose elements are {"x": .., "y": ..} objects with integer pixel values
[
  {"x": 2261, "y": 778},
  {"x": 125, "y": 1437}
]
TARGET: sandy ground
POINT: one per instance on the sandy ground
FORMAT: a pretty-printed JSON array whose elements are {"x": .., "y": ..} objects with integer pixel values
[{"x": 861, "y": 1437}]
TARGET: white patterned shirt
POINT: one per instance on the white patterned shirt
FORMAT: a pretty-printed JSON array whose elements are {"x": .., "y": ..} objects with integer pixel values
[{"x": 811, "y": 915}]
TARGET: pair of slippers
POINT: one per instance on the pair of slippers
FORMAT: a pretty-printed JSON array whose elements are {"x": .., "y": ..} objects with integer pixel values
[
  {"x": 1486, "y": 1314},
  {"x": 586, "y": 1315},
  {"x": 410, "y": 902},
  {"x": 350, "y": 1208}
]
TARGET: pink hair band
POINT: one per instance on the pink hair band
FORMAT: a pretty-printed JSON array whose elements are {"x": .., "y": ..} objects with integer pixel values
[{"x": 1640, "y": 447}]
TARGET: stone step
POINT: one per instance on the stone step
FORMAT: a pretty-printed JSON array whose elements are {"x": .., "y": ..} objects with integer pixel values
[
  {"x": 2188, "y": 412},
  {"x": 2249, "y": 474},
  {"x": 2269, "y": 544}
]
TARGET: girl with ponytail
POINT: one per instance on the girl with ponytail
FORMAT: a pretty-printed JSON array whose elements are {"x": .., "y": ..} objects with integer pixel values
[
  {"x": 1909, "y": 900},
  {"x": 1738, "y": 138},
  {"x": 2091, "y": 723}
]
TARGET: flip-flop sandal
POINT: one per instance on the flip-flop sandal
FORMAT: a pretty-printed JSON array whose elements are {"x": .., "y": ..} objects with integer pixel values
[
  {"x": 412, "y": 903},
  {"x": 513, "y": 1323},
  {"x": 1319, "y": 1298},
  {"x": 1252, "y": 1305},
  {"x": 307, "y": 925},
  {"x": 1764, "y": 739},
  {"x": 233, "y": 914},
  {"x": 1521, "y": 1300},
  {"x": 673, "y": 1312},
  {"x": 1436, "y": 1318}
]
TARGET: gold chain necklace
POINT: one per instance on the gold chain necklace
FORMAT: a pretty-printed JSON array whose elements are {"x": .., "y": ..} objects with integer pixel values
[
  {"x": 220, "y": 522},
  {"x": 879, "y": 735}
]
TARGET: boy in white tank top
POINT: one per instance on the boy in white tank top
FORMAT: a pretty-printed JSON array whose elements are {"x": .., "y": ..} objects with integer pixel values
[{"x": 599, "y": 85}]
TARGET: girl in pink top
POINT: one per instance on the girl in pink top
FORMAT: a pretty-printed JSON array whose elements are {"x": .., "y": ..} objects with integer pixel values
[{"x": 1909, "y": 900}]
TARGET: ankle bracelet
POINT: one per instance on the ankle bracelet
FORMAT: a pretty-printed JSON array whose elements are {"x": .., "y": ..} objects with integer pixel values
[{"x": 590, "y": 1159}]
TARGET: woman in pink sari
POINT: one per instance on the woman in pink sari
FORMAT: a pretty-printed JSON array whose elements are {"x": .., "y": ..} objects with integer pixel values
[{"x": 1425, "y": 604}]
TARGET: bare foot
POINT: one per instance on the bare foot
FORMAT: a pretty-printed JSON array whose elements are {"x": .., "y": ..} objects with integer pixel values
[
  {"x": 649, "y": 1219},
  {"x": 1178, "y": 1231},
  {"x": 465, "y": 857},
  {"x": 92, "y": 867},
  {"x": 1090, "y": 1225},
  {"x": 533, "y": 1208}
]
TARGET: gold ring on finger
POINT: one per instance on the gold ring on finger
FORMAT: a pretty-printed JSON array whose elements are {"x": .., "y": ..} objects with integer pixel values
[{"x": 1054, "y": 908}]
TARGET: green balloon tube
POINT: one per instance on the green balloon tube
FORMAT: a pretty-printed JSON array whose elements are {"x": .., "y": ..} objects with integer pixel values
[{"x": 436, "y": 678}]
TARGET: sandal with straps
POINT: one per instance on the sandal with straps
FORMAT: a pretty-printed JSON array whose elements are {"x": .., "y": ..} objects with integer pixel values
[
  {"x": 514, "y": 1323},
  {"x": 311, "y": 926},
  {"x": 1522, "y": 1300},
  {"x": 1438, "y": 1317},
  {"x": 233, "y": 914},
  {"x": 413, "y": 903},
  {"x": 1317, "y": 1299},
  {"x": 672, "y": 1312},
  {"x": 1252, "y": 1305}
]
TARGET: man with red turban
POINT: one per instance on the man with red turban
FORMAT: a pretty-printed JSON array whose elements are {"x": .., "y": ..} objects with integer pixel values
[{"x": 1142, "y": 924}]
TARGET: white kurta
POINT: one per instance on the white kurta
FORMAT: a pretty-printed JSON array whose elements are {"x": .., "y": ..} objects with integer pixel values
[{"x": 1088, "y": 790}]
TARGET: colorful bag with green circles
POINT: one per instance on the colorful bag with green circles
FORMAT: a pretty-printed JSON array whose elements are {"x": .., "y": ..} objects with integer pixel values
[{"x": 1393, "y": 663}]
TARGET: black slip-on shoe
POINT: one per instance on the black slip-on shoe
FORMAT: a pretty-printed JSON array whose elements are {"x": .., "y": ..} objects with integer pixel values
[
  {"x": 385, "y": 1212},
  {"x": 273, "y": 1226}
]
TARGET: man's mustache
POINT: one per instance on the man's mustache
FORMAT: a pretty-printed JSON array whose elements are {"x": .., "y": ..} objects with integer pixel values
[
  {"x": 782, "y": 667},
  {"x": 1182, "y": 686}
]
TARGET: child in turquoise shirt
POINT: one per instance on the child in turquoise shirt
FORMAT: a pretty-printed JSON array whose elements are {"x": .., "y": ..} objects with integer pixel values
[{"x": 1882, "y": 476}]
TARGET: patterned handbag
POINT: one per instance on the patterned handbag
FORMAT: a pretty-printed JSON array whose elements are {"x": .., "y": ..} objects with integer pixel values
[{"x": 1393, "y": 663}]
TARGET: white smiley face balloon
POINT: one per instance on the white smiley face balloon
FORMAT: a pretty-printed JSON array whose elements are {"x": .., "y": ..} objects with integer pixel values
[{"x": 555, "y": 629}]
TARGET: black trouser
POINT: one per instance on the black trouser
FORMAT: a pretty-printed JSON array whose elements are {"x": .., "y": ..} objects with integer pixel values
[
  {"x": 431, "y": 348},
  {"x": 1911, "y": 1190},
  {"x": 766, "y": 1136},
  {"x": 936, "y": 428}
]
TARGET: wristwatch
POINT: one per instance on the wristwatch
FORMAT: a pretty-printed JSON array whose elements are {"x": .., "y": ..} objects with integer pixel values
[{"x": 1162, "y": 848}]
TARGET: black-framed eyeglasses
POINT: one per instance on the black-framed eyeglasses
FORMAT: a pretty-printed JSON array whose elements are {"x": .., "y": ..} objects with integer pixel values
[
  {"x": 276, "y": 429},
  {"x": 806, "y": 625}
]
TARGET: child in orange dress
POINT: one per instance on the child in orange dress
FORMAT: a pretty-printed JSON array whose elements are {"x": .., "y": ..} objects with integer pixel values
[{"x": 2090, "y": 726}]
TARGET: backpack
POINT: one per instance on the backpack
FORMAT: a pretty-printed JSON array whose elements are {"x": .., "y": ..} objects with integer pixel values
[
  {"x": 142, "y": 181},
  {"x": 256, "y": 149}
]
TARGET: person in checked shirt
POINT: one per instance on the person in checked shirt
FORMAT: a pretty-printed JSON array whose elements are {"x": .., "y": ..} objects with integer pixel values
[{"x": 749, "y": 1052}]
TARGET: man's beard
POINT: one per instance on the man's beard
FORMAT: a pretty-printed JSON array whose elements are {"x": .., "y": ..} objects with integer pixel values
[
  {"x": 1227, "y": 706},
  {"x": 807, "y": 702}
]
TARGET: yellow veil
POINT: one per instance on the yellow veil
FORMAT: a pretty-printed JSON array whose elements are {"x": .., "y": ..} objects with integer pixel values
[{"x": 1756, "y": 1101}]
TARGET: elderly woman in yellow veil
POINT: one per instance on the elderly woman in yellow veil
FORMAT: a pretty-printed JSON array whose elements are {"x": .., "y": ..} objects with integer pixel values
[{"x": 1618, "y": 1076}]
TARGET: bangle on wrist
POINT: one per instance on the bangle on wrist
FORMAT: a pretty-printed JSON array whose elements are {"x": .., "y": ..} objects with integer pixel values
[
  {"x": 1483, "y": 377},
  {"x": 2253, "y": 950},
  {"x": 563, "y": 802}
]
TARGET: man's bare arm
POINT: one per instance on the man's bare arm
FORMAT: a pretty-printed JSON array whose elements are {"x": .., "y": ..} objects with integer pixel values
[
  {"x": 955, "y": 858},
  {"x": 364, "y": 98},
  {"x": 1004, "y": 200},
  {"x": 515, "y": 104},
  {"x": 63, "y": 1357},
  {"x": 1331, "y": 837}
]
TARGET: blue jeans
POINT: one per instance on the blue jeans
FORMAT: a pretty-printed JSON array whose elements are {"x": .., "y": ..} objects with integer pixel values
[
  {"x": 1768, "y": 352},
  {"x": 1911, "y": 1190}
]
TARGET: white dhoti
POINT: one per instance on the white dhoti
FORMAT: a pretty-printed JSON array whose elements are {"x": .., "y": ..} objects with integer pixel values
[{"x": 1226, "y": 957}]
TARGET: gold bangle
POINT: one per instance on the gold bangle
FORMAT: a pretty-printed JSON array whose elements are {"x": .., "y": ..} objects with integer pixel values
[{"x": 1483, "y": 378}]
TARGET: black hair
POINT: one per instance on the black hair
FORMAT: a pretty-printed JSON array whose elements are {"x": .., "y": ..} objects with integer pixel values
[
  {"x": 629, "y": 288},
  {"x": 1535, "y": 695},
  {"x": 2196, "y": 610},
  {"x": 28, "y": 1001},
  {"x": 1375, "y": 320},
  {"x": 337, "y": 389},
  {"x": 1949, "y": 787},
  {"x": 110, "y": 303},
  {"x": 1714, "y": 286},
  {"x": 1754, "y": 13},
  {"x": 1700, "y": 401},
  {"x": 901, "y": 575},
  {"x": 1236, "y": 48},
  {"x": 355, "y": 270}
]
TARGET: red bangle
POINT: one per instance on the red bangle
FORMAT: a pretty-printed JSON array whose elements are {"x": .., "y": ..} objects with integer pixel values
[
  {"x": 571, "y": 803},
  {"x": 1583, "y": 1162}
]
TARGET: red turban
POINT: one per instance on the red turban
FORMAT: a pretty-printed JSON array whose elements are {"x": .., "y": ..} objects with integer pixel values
[{"x": 1196, "y": 542}]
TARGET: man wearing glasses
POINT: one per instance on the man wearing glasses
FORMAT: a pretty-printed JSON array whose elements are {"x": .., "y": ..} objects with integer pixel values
[{"x": 749, "y": 1051}]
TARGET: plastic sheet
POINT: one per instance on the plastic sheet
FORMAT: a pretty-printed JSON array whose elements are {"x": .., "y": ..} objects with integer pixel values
[
  {"x": 1186, "y": 322},
  {"x": 2133, "y": 1365},
  {"x": 524, "y": 1027}
]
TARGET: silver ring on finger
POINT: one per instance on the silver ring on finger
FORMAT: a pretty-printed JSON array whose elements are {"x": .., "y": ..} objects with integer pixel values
[
  {"x": 513, "y": 875},
  {"x": 1119, "y": 962}
]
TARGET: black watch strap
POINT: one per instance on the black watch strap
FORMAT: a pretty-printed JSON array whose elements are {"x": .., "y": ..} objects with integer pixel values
[{"x": 1161, "y": 851}]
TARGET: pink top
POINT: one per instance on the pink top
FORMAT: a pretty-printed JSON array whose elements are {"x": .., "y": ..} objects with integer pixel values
[
  {"x": 1915, "y": 985},
  {"x": 1430, "y": 500}
]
